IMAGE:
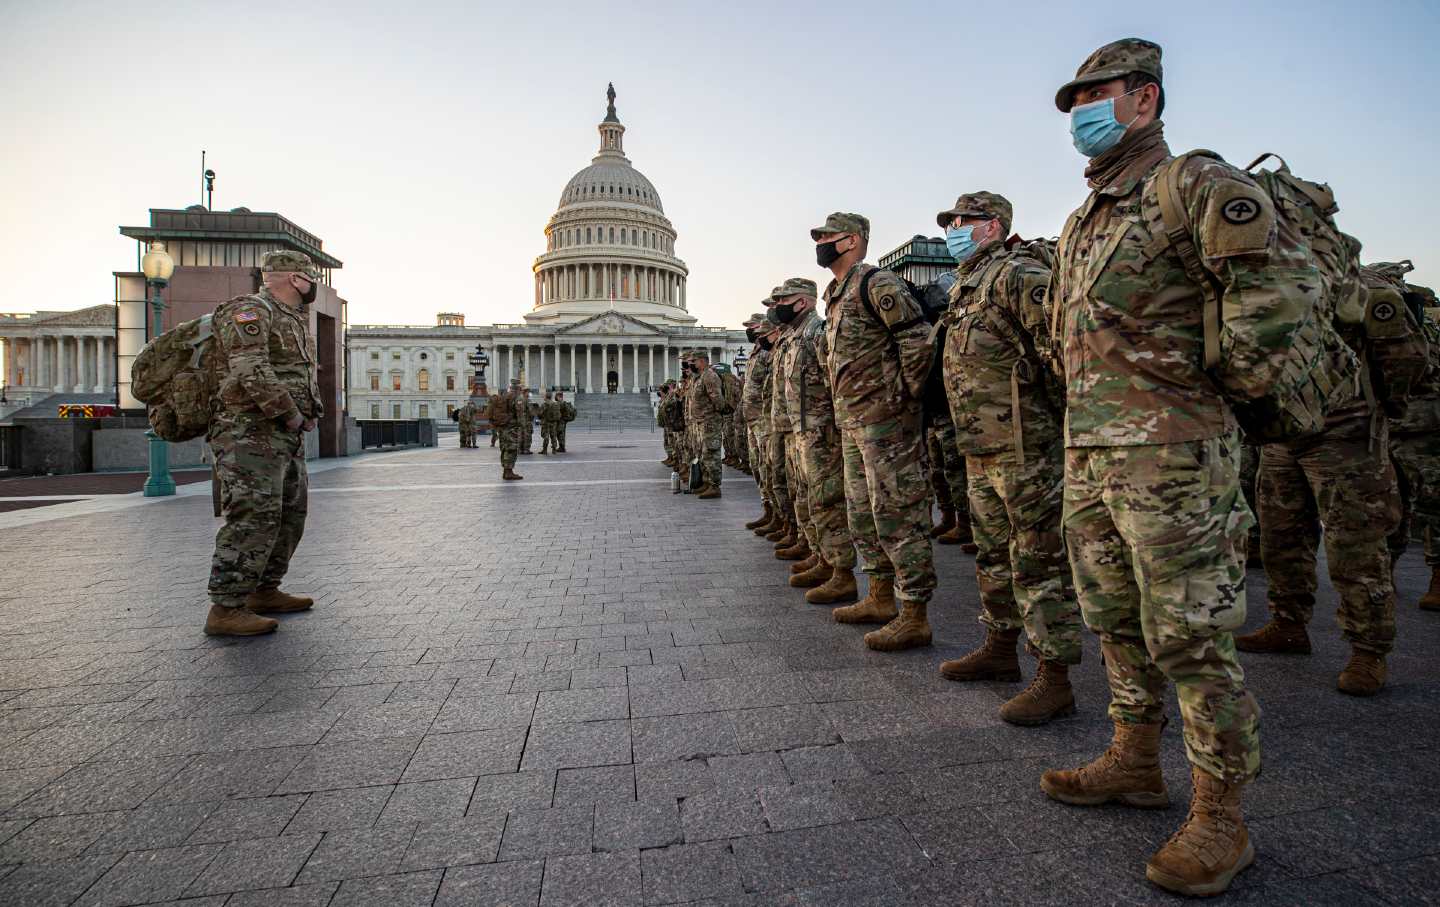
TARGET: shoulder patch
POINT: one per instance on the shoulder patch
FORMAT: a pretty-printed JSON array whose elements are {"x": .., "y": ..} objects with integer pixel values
[
  {"x": 1238, "y": 219},
  {"x": 244, "y": 317}
]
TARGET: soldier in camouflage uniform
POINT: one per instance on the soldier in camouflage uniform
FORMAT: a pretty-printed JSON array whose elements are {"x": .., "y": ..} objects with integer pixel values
[
  {"x": 467, "y": 424},
  {"x": 1415, "y": 451},
  {"x": 1007, "y": 414},
  {"x": 266, "y": 399},
  {"x": 880, "y": 357},
  {"x": 794, "y": 546},
  {"x": 527, "y": 427},
  {"x": 756, "y": 374},
  {"x": 564, "y": 415},
  {"x": 819, "y": 468},
  {"x": 665, "y": 416},
  {"x": 781, "y": 530},
  {"x": 703, "y": 419},
  {"x": 1154, "y": 518},
  {"x": 549, "y": 415},
  {"x": 947, "y": 478},
  {"x": 507, "y": 413}
]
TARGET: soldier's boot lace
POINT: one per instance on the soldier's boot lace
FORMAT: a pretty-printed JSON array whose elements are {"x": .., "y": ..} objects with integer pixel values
[
  {"x": 1048, "y": 697},
  {"x": 273, "y": 601},
  {"x": 1430, "y": 601},
  {"x": 223, "y": 621},
  {"x": 996, "y": 659},
  {"x": 818, "y": 573},
  {"x": 1128, "y": 772},
  {"x": 709, "y": 493},
  {"x": 1211, "y": 847},
  {"x": 910, "y": 630},
  {"x": 1364, "y": 674},
  {"x": 947, "y": 522},
  {"x": 961, "y": 535},
  {"x": 762, "y": 519},
  {"x": 806, "y": 565},
  {"x": 1277, "y": 637},
  {"x": 878, "y": 606},
  {"x": 839, "y": 588},
  {"x": 796, "y": 552}
]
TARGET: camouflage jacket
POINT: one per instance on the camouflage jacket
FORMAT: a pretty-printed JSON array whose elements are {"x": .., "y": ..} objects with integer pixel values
[
  {"x": 1128, "y": 318},
  {"x": 753, "y": 400},
  {"x": 550, "y": 413},
  {"x": 1423, "y": 413},
  {"x": 467, "y": 414},
  {"x": 703, "y": 399},
  {"x": 779, "y": 359},
  {"x": 995, "y": 381},
  {"x": 878, "y": 362},
  {"x": 807, "y": 387},
  {"x": 266, "y": 361}
]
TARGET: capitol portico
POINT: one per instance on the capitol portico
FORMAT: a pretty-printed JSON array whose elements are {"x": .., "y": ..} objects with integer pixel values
[{"x": 610, "y": 307}]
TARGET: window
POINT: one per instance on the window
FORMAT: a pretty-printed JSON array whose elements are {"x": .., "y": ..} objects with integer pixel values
[
  {"x": 395, "y": 411},
  {"x": 449, "y": 410},
  {"x": 450, "y": 355},
  {"x": 374, "y": 357},
  {"x": 612, "y": 234},
  {"x": 424, "y": 410},
  {"x": 394, "y": 357},
  {"x": 395, "y": 383},
  {"x": 449, "y": 382},
  {"x": 422, "y": 378},
  {"x": 374, "y": 382},
  {"x": 374, "y": 410}
]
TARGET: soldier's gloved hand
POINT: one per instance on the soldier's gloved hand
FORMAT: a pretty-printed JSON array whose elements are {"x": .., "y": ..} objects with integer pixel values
[
  {"x": 308, "y": 425},
  {"x": 294, "y": 423}
]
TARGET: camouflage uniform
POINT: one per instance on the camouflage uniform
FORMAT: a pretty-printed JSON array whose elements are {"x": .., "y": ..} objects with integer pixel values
[
  {"x": 1154, "y": 518},
  {"x": 947, "y": 466},
  {"x": 549, "y": 416},
  {"x": 819, "y": 468},
  {"x": 757, "y": 373},
  {"x": 1415, "y": 451},
  {"x": 776, "y": 482},
  {"x": 1007, "y": 424},
  {"x": 880, "y": 356},
  {"x": 265, "y": 375},
  {"x": 512, "y": 402},
  {"x": 527, "y": 425},
  {"x": 703, "y": 421},
  {"x": 782, "y": 434},
  {"x": 467, "y": 424},
  {"x": 565, "y": 414}
]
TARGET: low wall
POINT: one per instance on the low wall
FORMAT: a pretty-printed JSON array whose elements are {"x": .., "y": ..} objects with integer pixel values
[{"x": 128, "y": 448}]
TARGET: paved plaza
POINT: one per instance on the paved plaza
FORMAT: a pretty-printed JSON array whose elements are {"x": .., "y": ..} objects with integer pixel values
[{"x": 581, "y": 689}]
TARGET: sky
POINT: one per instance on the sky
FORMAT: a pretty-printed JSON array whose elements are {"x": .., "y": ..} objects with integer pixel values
[{"x": 427, "y": 143}]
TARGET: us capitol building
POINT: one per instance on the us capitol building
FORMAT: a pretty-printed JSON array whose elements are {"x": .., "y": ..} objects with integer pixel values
[{"x": 609, "y": 312}]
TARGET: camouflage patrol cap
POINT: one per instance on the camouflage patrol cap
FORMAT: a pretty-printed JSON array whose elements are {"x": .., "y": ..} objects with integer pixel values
[
  {"x": 795, "y": 286},
  {"x": 1115, "y": 60},
  {"x": 842, "y": 222},
  {"x": 757, "y": 318},
  {"x": 979, "y": 204},
  {"x": 287, "y": 260}
]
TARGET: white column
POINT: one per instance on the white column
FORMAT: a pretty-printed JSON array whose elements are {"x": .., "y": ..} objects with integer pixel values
[
  {"x": 650, "y": 375},
  {"x": 682, "y": 294},
  {"x": 60, "y": 364},
  {"x": 573, "y": 385},
  {"x": 587, "y": 368},
  {"x": 542, "y": 381}
]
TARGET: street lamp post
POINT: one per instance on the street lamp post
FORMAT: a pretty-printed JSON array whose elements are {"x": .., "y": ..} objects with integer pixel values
[{"x": 158, "y": 267}]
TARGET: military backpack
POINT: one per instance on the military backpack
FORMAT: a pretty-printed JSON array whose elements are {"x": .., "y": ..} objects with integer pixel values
[
  {"x": 1276, "y": 357},
  {"x": 175, "y": 378},
  {"x": 498, "y": 411},
  {"x": 1392, "y": 345},
  {"x": 730, "y": 390}
]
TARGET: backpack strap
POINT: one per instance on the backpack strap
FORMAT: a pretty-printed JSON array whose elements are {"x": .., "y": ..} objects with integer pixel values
[
  {"x": 203, "y": 332},
  {"x": 1177, "y": 230}
]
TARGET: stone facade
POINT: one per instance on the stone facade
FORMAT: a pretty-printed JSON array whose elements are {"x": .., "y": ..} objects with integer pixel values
[{"x": 50, "y": 353}]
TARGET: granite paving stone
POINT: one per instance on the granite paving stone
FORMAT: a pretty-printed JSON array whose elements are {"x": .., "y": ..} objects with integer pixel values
[{"x": 527, "y": 693}]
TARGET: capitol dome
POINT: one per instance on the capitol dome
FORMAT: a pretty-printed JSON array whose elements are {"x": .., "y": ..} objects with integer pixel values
[{"x": 609, "y": 245}]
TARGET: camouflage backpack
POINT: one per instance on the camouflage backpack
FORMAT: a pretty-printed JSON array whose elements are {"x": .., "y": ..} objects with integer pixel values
[
  {"x": 175, "y": 380},
  {"x": 498, "y": 411},
  {"x": 730, "y": 389},
  {"x": 1283, "y": 359},
  {"x": 1393, "y": 347}
]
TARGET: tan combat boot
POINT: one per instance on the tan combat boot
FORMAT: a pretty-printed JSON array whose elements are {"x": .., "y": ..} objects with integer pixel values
[
  {"x": 796, "y": 552},
  {"x": 1364, "y": 674},
  {"x": 790, "y": 538},
  {"x": 1430, "y": 601},
  {"x": 223, "y": 621},
  {"x": 762, "y": 519},
  {"x": 1211, "y": 847},
  {"x": 908, "y": 631},
  {"x": 1129, "y": 771},
  {"x": 709, "y": 493},
  {"x": 1277, "y": 637},
  {"x": 511, "y": 475},
  {"x": 806, "y": 565},
  {"x": 779, "y": 530},
  {"x": 961, "y": 535},
  {"x": 839, "y": 588},
  {"x": 996, "y": 659},
  {"x": 768, "y": 526},
  {"x": 878, "y": 607},
  {"x": 273, "y": 601},
  {"x": 1048, "y": 697},
  {"x": 808, "y": 579},
  {"x": 947, "y": 522}
]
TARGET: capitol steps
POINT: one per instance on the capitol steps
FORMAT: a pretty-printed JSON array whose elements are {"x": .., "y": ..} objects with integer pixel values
[{"x": 613, "y": 412}]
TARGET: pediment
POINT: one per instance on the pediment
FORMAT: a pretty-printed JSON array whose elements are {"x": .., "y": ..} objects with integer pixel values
[{"x": 611, "y": 323}]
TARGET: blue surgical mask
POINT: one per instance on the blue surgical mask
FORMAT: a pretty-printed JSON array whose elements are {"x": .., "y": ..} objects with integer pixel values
[
  {"x": 1093, "y": 127},
  {"x": 961, "y": 241}
]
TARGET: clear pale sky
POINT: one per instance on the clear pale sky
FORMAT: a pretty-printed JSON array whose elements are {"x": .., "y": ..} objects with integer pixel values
[{"x": 428, "y": 143}]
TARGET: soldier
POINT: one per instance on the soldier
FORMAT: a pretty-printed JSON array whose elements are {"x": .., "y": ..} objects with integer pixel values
[
  {"x": 566, "y": 412},
  {"x": 1154, "y": 519},
  {"x": 1415, "y": 451},
  {"x": 880, "y": 357},
  {"x": 756, "y": 374},
  {"x": 507, "y": 413},
  {"x": 467, "y": 424},
  {"x": 819, "y": 468},
  {"x": 527, "y": 424},
  {"x": 549, "y": 415},
  {"x": 665, "y": 416},
  {"x": 1007, "y": 412},
  {"x": 794, "y": 546},
  {"x": 947, "y": 478},
  {"x": 266, "y": 399},
  {"x": 703, "y": 412},
  {"x": 779, "y": 529}
]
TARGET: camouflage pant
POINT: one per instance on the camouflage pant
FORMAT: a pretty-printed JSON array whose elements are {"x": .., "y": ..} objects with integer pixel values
[
  {"x": 1336, "y": 481},
  {"x": 775, "y": 474},
  {"x": 467, "y": 436},
  {"x": 548, "y": 439},
  {"x": 757, "y": 462},
  {"x": 822, "y": 470},
  {"x": 560, "y": 433},
  {"x": 1156, "y": 536},
  {"x": 1249, "y": 478},
  {"x": 494, "y": 435},
  {"x": 264, "y": 491},
  {"x": 799, "y": 493},
  {"x": 527, "y": 435},
  {"x": 947, "y": 467},
  {"x": 1417, "y": 467},
  {"x": 1021, "y": 567},
  {"x": 705, "y": 444},
  {"x": 509, "y": 444},
  {"x": 887, "y": 501}
]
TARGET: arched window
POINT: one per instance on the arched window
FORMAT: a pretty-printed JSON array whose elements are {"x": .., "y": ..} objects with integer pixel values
[
  {"x": 634, "y": 237},
  {"x": 422, "y": 379},
  {"x": 612, "y": 234},
  {"x": 587, "y": 234}
]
